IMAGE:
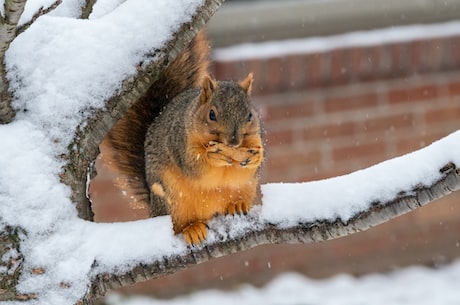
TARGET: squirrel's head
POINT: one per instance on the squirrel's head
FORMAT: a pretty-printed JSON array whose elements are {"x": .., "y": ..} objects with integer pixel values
[{"x": 225, "y": 113}]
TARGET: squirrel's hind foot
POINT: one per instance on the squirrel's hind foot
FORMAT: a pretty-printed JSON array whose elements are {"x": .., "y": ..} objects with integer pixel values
[
  {"x": 195, "y": 233},
  {"x": 239, "y": 207}
]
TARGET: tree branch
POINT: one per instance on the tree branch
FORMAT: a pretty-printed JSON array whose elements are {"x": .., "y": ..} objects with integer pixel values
[
  {"x": 272, "y": 234},
  {"x": 87, "y": 8},
  {"x": 13, "y": 11},
  {"x": 87, "y": 140},
  {"x": 38, "y": 14}
]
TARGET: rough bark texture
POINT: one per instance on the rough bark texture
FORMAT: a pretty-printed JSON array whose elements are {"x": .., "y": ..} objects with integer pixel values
[
  {"x": 318, "y": 231},
  {"x": 8, "y": 23},
  {"x": 87, "y": 8},
  {"x": 87, "y": 140},
  {"x": 6, "y": 110}
]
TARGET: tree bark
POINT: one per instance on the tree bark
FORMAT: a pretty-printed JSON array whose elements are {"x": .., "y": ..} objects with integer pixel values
[
  {"x": 317, "y": 231},
  {"x": 8, "y": 23},
  {"x": 87, "y": 8}
]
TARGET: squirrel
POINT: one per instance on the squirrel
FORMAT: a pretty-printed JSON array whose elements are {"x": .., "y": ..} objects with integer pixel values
[{"x": 192, "y": 147}]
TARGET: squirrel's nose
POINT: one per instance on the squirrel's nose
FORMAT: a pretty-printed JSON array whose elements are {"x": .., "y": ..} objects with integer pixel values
[{"x": 234, "y": 139}]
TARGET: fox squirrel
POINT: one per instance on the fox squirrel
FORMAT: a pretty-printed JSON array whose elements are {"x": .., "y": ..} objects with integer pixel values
[{"x": 192, "y": 147}]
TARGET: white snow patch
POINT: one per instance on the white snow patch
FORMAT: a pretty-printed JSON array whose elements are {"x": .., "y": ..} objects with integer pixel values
[
  {"x": 409, "y": 286},
  {"x": 344, "y": 196},
  {"x": 103, "y": 7},
  {"x": 70, "y": 66}
]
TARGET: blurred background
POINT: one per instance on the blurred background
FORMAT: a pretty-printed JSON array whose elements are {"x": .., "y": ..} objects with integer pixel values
[{"x": 341, "y": 85}]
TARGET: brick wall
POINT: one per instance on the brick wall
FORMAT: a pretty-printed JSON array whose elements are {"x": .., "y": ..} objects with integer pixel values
[{"x": 327, "y": 114}]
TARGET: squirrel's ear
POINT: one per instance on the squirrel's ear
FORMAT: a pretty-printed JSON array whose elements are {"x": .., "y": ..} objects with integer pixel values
[
  {"x": 208, "y": 86},
  {"x": 246, "y": 84}
]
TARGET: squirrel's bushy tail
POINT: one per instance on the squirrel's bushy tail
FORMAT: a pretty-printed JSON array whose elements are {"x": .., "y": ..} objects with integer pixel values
[{"x": 124, "y": 145}]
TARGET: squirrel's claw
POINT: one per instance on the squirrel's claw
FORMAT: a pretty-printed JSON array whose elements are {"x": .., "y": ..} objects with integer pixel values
[
  {"x": 195, "y": 233},
  {"x": 238, "y": 207}
]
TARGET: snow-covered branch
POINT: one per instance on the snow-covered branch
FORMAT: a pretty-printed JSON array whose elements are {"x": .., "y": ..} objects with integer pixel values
[
  {"x": 41, "y": 11},
  {"x": 263, "y": 226}
]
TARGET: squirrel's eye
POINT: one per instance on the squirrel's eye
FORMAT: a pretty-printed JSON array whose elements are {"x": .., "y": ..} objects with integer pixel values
[
  {"x": 249, "y": 117},
  {"x": 212, "y": 115}
]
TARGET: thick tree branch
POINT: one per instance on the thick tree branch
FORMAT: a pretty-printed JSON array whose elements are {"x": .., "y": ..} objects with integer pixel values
[
  {"x": 86, "y": 141},
  {"x": 271, "y": 234},
  {"x": 13, "y": 11}
]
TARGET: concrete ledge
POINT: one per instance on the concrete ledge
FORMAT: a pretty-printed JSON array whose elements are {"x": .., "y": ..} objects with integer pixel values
[{"x": 239, "y": 22}]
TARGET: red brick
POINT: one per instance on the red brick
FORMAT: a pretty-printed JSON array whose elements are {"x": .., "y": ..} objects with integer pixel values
[
  {"x": 295, "y": 71},
  {"x": 329, "y": 131},
  {"x": 314, "y": 75},
  {"x": 453, "y": 52},
  {"x": 406, "y": 145},
  {"x": 225, "y": 70},
  {"x": 280, "y": 167},
  {"x": 288, "y": 111},
  {"x": 340, "y": 67},
  {"x": 413, "y": 94},
  {"x": 337, "y": 104},
  {"x": 400, "y": 59},
  {"x": 454, "y": 88},
  {"x": 385, "y": 61},
  {"x": 359, "y": 151},
  {"x": 427, "y": 55},
  {"x": 387, "y": 123},
  {"x": 443, "y": 115},
  {"x": 274, "y": 70},
  {"x": 279, "y": 137},
  {"x": 365, "y": 63}
]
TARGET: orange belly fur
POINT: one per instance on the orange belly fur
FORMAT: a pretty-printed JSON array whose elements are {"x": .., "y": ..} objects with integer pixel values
[{"x": 194, "y": 199}]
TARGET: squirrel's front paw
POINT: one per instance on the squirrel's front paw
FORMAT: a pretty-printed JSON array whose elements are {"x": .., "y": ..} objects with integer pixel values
[
  {"x": 238, "y": 207},
  {"x": 195, "y": 233},
  {"x": 219, "y": 154},
  {"x": 254, "y": 157}
]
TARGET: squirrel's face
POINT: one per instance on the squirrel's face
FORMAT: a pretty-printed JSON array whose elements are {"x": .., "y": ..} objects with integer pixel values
[{"x": 225, "y": 113}]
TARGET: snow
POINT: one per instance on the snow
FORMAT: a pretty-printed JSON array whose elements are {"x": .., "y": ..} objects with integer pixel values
[
  {"x": 321, "y": 44},
  {"x": 409, "y": 286},
  {"x": 80, "y": 63},
  {"x": 60, "y": 69},
  {"x": 345, "y": 196}
]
